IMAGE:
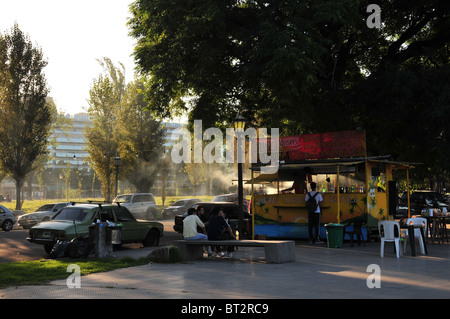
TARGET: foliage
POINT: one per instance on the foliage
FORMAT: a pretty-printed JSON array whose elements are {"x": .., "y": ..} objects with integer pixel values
[
  {"x": 304, "y": 66},
  {"x": 122, "y": 126},
  {"x": 25, "y": 116},
  {"x": 143, "y": 139},
  {"x": 102, "y": 138},
  {"x": 264, "y": 56}
]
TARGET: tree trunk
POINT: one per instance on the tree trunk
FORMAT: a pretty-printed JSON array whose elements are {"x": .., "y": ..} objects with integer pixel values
[{"x": 19, "y": 185}]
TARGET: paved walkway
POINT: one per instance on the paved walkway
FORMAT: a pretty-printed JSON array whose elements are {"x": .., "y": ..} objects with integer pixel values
[{"x": 318, "y": 272}]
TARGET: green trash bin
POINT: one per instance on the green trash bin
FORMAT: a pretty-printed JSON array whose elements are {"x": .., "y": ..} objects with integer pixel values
[{"x": 335, "y": 234}]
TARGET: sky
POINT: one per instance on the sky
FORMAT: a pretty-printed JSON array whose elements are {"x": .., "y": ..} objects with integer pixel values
[{"x": 72, "y": 36}]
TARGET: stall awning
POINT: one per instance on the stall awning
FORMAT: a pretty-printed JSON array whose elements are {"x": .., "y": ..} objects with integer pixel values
[
  {"x": 324, "y": 166},
  {"x": 263, "y": 179}
]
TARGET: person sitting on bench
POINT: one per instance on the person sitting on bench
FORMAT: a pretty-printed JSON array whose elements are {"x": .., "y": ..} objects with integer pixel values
[
  {"x": 219, "y": 229},
  {"x": 190, "y": 224}
]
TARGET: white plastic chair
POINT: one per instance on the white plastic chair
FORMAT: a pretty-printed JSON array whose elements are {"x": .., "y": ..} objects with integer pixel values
[
  {"x": 389, "y": 231},
  {"x": 416, "y": 221}
]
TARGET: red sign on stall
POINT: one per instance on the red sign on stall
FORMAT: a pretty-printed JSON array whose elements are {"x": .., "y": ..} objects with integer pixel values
[{"x": 322, "y": 145}]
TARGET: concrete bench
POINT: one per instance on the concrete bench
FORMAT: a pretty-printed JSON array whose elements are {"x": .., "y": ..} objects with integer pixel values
[{"x": 276, "y": 251}]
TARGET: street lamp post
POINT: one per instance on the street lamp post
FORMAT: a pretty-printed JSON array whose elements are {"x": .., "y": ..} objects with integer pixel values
[
  {"x": 117, "y": 164},
  {"x": 239, "y": 125},
  {"x": 61, "y": 176}
]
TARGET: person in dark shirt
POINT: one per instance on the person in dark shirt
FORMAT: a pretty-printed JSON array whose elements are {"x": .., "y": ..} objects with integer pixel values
[
  {"x": 219, "y": 229},
  {"x": 201, "y": 214}
]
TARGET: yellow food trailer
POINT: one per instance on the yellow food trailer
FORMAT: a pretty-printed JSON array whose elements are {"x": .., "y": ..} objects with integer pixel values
[{"x": 351, "y": 187}]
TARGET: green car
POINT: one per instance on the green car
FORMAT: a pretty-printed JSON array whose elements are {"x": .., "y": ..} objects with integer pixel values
[{"x": 74, "y": 220}]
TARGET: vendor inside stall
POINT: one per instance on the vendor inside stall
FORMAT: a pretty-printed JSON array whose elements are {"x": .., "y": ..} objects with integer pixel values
[{"x": 299, "y": 184}]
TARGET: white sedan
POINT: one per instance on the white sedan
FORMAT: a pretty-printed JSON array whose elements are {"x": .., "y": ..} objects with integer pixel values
[{"x": 43, "y": 214}]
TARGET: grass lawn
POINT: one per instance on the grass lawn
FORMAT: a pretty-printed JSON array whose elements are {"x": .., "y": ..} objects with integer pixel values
[
  {"x": 45, "y": 270},
  {"x": 30, "y": 206}
]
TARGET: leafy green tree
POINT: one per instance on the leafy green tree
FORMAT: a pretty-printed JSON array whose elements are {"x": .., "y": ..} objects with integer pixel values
[
  {"x": 404, "y": 100},
  {"x": 102, "y": 138},
  {"x": 142, "y": 138},
  {"x": 304, "y": 66},
  {"x": 264, "y": 58},
  {"x": 281, "y": 62},
  {"x": 25, "y": 116}
]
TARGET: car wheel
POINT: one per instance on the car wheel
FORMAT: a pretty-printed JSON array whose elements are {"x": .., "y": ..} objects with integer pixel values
[
  {"x": 152, "y": 238},
  {"x": 7, "y": 225},
  {"x": 150, "y": 214},
  {"x": 48, "y": 248}
]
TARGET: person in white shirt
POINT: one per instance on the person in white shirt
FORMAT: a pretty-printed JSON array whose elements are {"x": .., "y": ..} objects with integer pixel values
[
  {"x": 314, "y": 217},
  {"x": 190, "y": 224}
]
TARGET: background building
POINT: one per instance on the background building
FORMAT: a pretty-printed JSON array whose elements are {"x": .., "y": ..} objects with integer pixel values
[{"x": 70, "y": 144}]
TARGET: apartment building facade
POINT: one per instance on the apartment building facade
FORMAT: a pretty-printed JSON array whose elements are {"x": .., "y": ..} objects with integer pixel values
[{"x": 70, "y": 144}]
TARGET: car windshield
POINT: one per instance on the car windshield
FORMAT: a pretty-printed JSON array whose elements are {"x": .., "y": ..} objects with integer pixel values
[
  {"x": 45, "y": 208},
  {"x": 72, "y": 213},
  {"x": 123, "y": 199},
  {"x": 179, "y": 203}
]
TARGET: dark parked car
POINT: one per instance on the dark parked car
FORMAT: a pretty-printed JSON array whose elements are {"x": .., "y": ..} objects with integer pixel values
[
  {"x": 420, "y": 200},
  {"x": 232, "y": 198},
  {"x": 231, "y": 211},
  {"x": 179, "y": 207}
]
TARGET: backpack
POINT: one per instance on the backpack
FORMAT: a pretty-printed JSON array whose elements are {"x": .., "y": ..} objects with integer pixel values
[{"x": 311, "y": 203}]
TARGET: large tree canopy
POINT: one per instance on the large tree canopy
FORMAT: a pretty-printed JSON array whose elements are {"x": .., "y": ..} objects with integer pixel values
[
  {"x": 303, "y": 66},
  {"x": 25, "y": 116}
]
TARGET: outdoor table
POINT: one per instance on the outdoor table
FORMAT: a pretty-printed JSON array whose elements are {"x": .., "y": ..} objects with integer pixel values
[
  {"x": 411, "y": 237},
  {"x": 437, "y": 226}
]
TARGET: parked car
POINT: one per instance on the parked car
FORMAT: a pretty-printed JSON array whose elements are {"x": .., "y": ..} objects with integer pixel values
[
  {"x": 422, "y": 200},
  {"x": 232, "y": 198},
  {"x": 231, "y": 211},
  {"x": 7, "y": 218},
  {"x": 74, "y": 220},
  {"x": 42, "y": 214},
  {"x": 179, "y": 207},
  {"x": 141, "y": 205}
]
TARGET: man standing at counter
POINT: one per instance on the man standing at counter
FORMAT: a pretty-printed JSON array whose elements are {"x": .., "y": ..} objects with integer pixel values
[{"x": 314, "y": 212}]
